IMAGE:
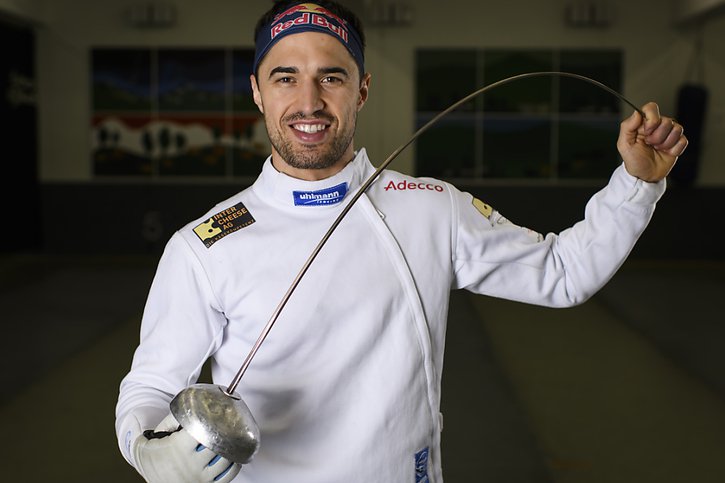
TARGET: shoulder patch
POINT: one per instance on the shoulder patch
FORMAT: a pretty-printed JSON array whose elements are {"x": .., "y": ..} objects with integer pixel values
[
  {"x": 223, "y": 223},
  {"x": 483, "y": 208}
]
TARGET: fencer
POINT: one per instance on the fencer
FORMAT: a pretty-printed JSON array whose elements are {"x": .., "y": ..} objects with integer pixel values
[{"x": 347, "y": 387}]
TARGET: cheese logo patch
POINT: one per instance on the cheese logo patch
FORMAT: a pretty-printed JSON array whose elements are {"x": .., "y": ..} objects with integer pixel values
[
  {"x": 223, "y": 223},
  {"x": 483, "y": 208}
]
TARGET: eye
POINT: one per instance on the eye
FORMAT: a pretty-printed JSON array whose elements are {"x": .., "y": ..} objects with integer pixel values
[
  {"x": 331, "y": 79},
  {"x": 283, "y": 79}
]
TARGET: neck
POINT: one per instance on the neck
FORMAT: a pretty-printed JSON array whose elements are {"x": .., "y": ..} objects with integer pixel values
[{"x": 307, "y": 174}]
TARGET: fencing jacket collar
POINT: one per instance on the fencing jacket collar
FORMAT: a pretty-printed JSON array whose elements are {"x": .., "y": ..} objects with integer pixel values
[{"x": 293, "y": 193}]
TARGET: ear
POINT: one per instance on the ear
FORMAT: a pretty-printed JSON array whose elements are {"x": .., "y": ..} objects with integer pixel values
[
  {"x": 256, "y": 94},
  {"x": 364, "y": 90}
]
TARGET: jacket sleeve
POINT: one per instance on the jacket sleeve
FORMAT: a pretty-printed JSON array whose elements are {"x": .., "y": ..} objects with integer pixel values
[
  {"x": 182, "y": 326},
  {"x": 493, "y": 256}
]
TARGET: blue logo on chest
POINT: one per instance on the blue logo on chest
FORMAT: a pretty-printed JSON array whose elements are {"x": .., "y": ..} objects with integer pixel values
[{"x": 327, "y": 196}]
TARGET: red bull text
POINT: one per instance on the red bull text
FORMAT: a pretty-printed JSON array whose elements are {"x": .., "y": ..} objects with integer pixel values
[{"x": 308, "y": 18}]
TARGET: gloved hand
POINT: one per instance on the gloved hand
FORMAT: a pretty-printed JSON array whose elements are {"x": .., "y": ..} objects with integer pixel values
[{"x": 170, "y": 455}]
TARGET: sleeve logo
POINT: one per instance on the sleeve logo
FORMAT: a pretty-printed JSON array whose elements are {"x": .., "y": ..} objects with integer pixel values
[
  {"x": 421, "y": 466},
  {"x": 223, "y": 223},
  {"x": 483, "y": 208}
]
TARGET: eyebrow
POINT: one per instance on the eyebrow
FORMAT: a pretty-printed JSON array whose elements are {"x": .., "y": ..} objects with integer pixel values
[
  {"x": 322, "y": 70},
  {"x": 333, "y": 70},
  {"x": 283, "y": 70}
]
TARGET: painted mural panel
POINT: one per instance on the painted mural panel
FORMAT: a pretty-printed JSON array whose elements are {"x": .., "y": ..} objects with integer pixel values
[
  {"x": 175, "y": 112},
  {"x": 250, "y": 145},
  {"x": 122, "y": 103}
]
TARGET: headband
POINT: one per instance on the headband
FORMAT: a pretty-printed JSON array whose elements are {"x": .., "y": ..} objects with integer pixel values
[{"x": 308, "y": 17}]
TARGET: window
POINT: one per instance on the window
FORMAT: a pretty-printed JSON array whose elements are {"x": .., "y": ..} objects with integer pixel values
[
  {"x": 540, "y": 127},
  {"x": 175, "y": 112}
]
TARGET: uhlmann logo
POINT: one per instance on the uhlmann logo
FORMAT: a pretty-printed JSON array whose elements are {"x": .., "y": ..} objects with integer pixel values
[{"x": 328, "y": 196}]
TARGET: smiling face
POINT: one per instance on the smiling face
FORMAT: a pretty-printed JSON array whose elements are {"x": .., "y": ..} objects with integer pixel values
[{"x": 309, "y": 90}]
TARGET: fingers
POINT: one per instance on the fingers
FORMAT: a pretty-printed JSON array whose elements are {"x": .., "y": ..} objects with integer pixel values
[
  {"x": 179, "y": 458},
  {"x": 215, "y": 468},
  {"x": 628, "y": 131},
  {"x": 650, "y": 146},
  {"x": 230, "y": 472},
  {"x": 679, "y": 147},
  {"x": 632, "y": 123},
  {"x": 652, "y": 118},
  {"x": 666, "y": 135},
  {"x": 662, "y": 133},
  {"x": 635, "y": 126}
]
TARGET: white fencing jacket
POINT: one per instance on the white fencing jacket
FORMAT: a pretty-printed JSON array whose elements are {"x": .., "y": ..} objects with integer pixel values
[{"x": 347, "y": 385}]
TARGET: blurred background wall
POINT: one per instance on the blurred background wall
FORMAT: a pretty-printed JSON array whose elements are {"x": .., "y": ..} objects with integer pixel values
[{"x": 74, "y": 210}]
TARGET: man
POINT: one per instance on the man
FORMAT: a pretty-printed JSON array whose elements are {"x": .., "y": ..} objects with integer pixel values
[{"x": 347, "y": 385}]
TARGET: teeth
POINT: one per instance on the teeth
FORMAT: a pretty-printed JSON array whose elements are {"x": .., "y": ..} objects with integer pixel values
[{"x": 309, "y": 128}]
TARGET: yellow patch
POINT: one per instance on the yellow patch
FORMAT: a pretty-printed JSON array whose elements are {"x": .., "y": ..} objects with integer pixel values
[
  {"x": 207, "y": 230},
  {"x": 483, "y": 208}
]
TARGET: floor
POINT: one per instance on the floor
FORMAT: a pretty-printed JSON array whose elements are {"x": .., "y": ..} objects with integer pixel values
[{"x": 628, "y": 387}]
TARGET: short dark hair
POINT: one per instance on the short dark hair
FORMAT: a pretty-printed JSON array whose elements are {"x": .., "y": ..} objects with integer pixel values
[{"x": 334, "y": 7}]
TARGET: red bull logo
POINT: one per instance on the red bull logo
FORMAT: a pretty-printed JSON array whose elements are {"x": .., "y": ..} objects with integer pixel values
[
  {"x": 308, "y": 18},
  {"x": 311, "y": 8}
]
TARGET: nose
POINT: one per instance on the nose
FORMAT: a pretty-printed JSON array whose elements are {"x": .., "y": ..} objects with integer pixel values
[{"x": 309, "y": 98}]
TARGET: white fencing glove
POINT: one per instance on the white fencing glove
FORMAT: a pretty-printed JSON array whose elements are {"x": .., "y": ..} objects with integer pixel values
[{"x": 169, "y": 454}]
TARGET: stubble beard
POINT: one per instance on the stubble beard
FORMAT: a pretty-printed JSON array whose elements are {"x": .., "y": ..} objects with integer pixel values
[{"x": 313, "y": 156}]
